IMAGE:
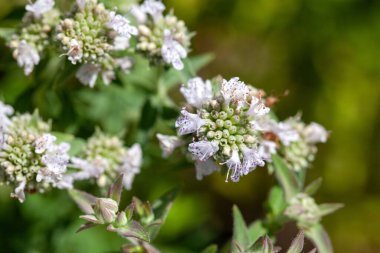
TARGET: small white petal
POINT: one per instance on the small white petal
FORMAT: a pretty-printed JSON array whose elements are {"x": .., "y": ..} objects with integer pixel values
[
  {"x": 108, "y": 76},
  {"x": 315, "y": 133},
  {"x": 120, "y": 43},
  {"x": 131, "y": 165},
  {"x": 234, "y": 90},
  {"x": 40, "y": 7},
  {"x": 188, "y": 123},
  {"x": 154, "y": 8},
  {"x": 87, "y": 74},
  {"x": 19, "y": 192},
  {"x": 125, "y": 63},
  {"x": 81, "y": 4},
  {"x": 205, "y": 168},
  {"x": 234, "y": 165},
  {"x": 203, "y": 150},
  {"x": 139, "y": 14},
  {"x": 257, "y": 108},
  {"x": 266, "y": 149},
  {"x": 287, "y": 133},
  {"x": 121, "y": 25},
  {"x": 27, "y": 57},
  {"x": 172, "y": 51},
  {"x": 251, "y": 160},
  {"x": 168, "y": 144},
  {"x": 44, "y": 142},
  {"x": 197, "y": 92},
  {"x": 75, "y": 52}
]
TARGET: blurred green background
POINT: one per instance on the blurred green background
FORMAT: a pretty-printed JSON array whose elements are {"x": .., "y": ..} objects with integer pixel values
[{"x": 326, "y": 53}]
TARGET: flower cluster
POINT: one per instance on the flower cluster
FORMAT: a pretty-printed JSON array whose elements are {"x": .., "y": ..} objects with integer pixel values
[
  {"x": 303, "y": 209},
  {"x": 104, "y": 158},
  {"x": 31, "y": 40},
  {"x": 162, "y": 38},
  {"x": 220, "y": 117},
  {"x": 89, "y": 35},
  {"x": 293, "y": 139},
  {"x": 31, "y": 160}
]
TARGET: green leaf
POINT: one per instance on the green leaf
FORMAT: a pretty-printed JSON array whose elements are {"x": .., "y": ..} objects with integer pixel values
[
  {"x": 256, "y": 230},
  {"x": 286, "y": 177},
  {"x": 240, "y": 230},
  {"x": 6, "y": 33},
  {"x": 161, "y": 208},
  {"x": 211, "y": 249},
  {"x": 297, "y": 244},
  {"x": 115, "y": 190},
  {"x": 84, "y": 200},
  {"x": 132, "y": 229},
  {"x": 276, "y": 201},
  {"x": 320, "y": 238},
  {"x": 329, "y": 208},
  {"x": 313, "y": 187}
]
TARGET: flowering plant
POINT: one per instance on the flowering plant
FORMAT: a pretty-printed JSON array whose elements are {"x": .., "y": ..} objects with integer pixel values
[{"x": 141, "y": 54}]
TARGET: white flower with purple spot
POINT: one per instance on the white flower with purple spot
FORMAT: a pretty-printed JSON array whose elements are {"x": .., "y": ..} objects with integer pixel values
[{"x": 197, "y": 91}]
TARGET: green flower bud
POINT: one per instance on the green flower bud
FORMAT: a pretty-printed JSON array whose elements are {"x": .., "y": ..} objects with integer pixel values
[{"x": 105, "y": 210}]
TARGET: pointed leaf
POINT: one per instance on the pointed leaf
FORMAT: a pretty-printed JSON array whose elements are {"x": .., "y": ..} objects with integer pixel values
[
  {"x": 268, "y": 246},
  {"x": 90, "y": 218},
  {"x": 297, "y": 244},
  {"x": 211, "y": 249},
  {"x": 240, "y": 230},
  {"x": 115, "y": 190},
  {"x": 132, "y": 229},
  {"x": 329, "y": 208},
  {"x": 256, "y": 230},
  {"x": 320, "y": 238},
  {"x": 161, "y": 208},
  {"x": 84, "y": 200},
  {"x": 286, "y": 177},
  {"x": 276, "y": 201},
  {"x": 86, "y": 226},
  {"x": 313, "y": 187}
]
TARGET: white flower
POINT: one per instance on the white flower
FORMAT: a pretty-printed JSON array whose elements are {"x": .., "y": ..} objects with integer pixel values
[
  {"x": 235, "y": 165},
  {"x": 88, "y": 169},
  {"x": 131, "y": 165},
  {"x": 27, "y": 57},
  {"x": 55, "y": 159},
  {"x": 75, "y": 52},
  {"x": 197, "y": 92},
  {"x": 125, "y": 63},
  {"x": 81, "y": 4},
  {"x": 120, "y": 43},
  {"x": 138, "y": 13},
  {"x": 172, "y": 51},
  {"x": 266, "y": 149},
  {"x": 108, "y": 76},
  {"x": 234, "y": 90},
  {"x": 286, "y": 133},
  {"x": 205, "y": 168},
  {"x": 168, "y": 144},
  {"x": 251, "y": 160},
  {"x": 44, "y": 142},
  {"x": 315, "y": 133},
  {"x": 5, "y": 112},
  {"x": 19, "y": 191},
  {"x": 87, "y": 74},
  {"x": 121, "y": 25},
  {"x": 154, "y": 8},
  {"x": 203, "y": 150},
  {"x": 40, "y": 7},
  {"x": 188, "y": 123},
  {"x": 257, "y": 108}
]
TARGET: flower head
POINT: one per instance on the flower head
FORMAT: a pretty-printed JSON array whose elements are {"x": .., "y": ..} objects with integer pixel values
[
  {"x": 221, "y": 126},
  {"x": 30, "y": 157}
]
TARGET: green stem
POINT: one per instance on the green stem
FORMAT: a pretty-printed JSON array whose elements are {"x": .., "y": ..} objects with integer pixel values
[{"x": 320, "y": 238}]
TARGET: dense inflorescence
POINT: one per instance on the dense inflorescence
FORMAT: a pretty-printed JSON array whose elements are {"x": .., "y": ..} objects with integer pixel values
[
  {"x": 104, "y": 158},
  {"x": 30, "y": 158}
]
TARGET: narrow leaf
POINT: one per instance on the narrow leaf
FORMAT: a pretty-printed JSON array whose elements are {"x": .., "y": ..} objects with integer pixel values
[
  {"x": 132, "y": 229},
  {"x": 211, "y": 249},
  {"x": 86, "y": 226},
  {"x": 326, "y": 209},
  {"x": 297, "y": 244},
  {"x": 276, "y": 201},
  {"x": 320, "y": 238},
  {"x": 313, "y": 187},
  {"x": 286, "y": 177},
  {"x": 84, "y": 200},
  {"x": 115, "y": 190},
  {"x": 240, "y": 230},
  {"x": 256, "y": 230}
]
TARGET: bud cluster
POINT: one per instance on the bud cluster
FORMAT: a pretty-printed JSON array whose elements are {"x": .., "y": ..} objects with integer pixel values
[
  {"x": 162, "y": 38},
  {"x": 32, "y": 38},
  {"x": 304, "y": 210},
  {"x": 104, "y": 157},
  {"x": 30, "y": 158}
]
